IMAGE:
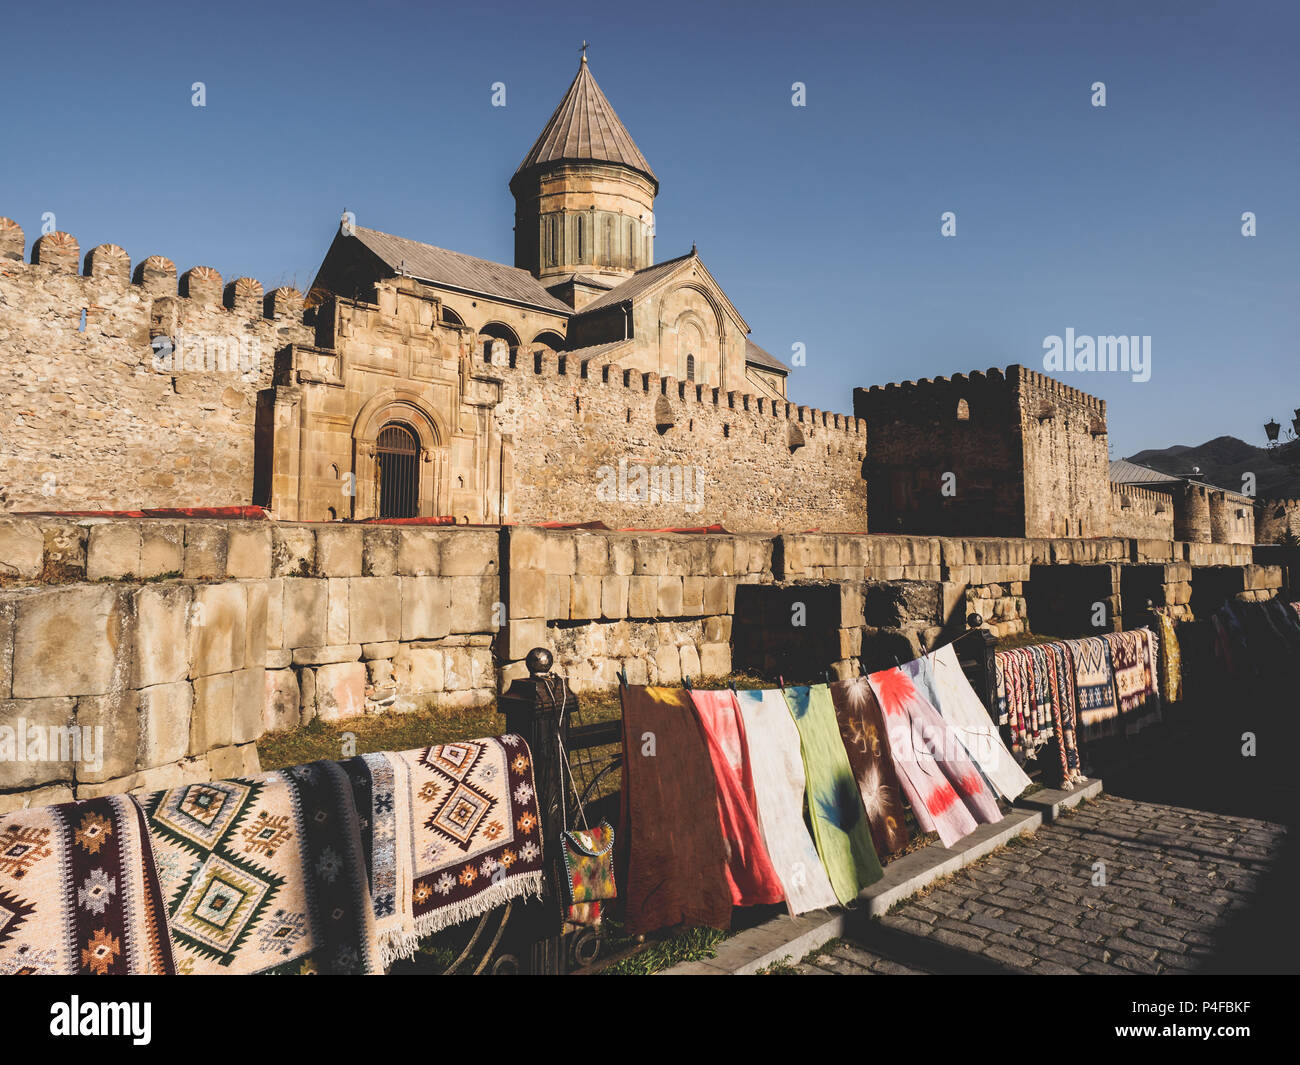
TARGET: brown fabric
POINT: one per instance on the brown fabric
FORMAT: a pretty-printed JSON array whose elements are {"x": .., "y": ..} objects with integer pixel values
[
  {"x": 671, "y": 839},
  {"x": 862, "y": 728}
]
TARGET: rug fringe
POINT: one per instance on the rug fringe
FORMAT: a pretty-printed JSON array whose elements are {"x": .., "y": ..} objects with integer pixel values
[{"x": 394, "y": 946}]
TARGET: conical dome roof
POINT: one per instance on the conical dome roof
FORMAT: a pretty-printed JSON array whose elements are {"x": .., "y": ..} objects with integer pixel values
[{"x": 585, "y": 129}]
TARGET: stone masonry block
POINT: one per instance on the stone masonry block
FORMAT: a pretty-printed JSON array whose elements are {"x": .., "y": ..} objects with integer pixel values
[
  {"x": 118, "y": 716},
  {"x": 527, "y": 594},
  {"x": 338, "y": 551},
  {"x": 162, "y": 648},
  {"x": 426, "y": 608},
  {"x": 162, "y": 549},
  {"x": 113, "y": 551},
  {"x": 206, "y": 547},
  {"x": 281, "y": 709},
  {"x": 32, "y": 719},
  {"x": 305, "y": 608},
  {"x": 165, "y": 711},
  {"x": 340, "y": 690},
  {"x": 613, "y": 597},
  {"x": 293, "y": 551},
  {"x": 474, "y": 604},
  {"x": 419, "y": 553},
  {"x": 470, "y": 553},
  {"x": 212, "y": 718},
  {"x": 218, "y": 629},
  {"x": 22, "y": 549},
  {"x": 67, "y": 641},
  {"x": 248, "y": 551},
  {"x": 379, "y": 548},
  {"x": 585, "y": 594}
]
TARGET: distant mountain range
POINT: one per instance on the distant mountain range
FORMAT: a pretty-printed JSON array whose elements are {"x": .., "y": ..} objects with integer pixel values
[{"x": 1223, "y": 460}]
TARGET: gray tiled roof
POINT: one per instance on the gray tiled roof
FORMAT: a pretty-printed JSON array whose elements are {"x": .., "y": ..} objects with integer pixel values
[
  {"x": 756, "y": 356},
  {"x": 594, "y": 351},
  {"x": 585, "y": 128},
  {"x": 454, "y": 269},
  {"x": 1124, "y": 472},
  {"x": 635, "y": 285}
]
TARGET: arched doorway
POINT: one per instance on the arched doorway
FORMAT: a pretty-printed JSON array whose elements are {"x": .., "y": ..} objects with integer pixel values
[{"x": 397, "y": 471}]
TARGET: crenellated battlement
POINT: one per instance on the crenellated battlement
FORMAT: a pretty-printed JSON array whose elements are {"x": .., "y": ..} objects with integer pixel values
[
  {"x": 543, "y": 362},
  {"x": 154, "y": 276}
]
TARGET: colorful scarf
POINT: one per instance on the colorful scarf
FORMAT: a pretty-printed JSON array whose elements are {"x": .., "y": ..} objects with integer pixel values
[
  {"x": 835, "y": 807},
  {"x": 1171, "y": 659},
  {"x": 862, "y": 731},
  {"x": 676, "y": 865},
  {"x": 946, "y": 791},
  {"x": 265, "y": 874},
  {"x": 772, "y": 741},
  {"x": 79, "y": 893},
  {"x": 749, "y": 869},
  {"x": 1094, "y": 683},
  {"x": 449, "y": 832},
  {"x": 1065, "y": 700},
  {"x": 942, "y": 680}
]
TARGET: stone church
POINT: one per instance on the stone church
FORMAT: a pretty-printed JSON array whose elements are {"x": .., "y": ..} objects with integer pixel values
[{"x": 393, "y": 412}]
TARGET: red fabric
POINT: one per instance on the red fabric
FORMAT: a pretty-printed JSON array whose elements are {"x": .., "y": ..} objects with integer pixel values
[
  {"x": 692, "y": 529},
  {"x": 246, "y": 513},
  {"x": 750, "y": 873},
  {"x": 444, "y": 520}
]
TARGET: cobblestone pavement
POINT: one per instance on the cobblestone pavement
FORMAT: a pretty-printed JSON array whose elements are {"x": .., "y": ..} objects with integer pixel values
[{"x": 1184, "y": 891}]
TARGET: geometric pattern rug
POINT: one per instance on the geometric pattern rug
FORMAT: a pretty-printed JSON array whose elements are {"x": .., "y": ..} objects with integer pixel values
[
  {"x": 332, "y": 867},
  {"x": 265, "y": 874},
  {"x": 78, "y": 894},
  {"x": 454, "y": 833}
]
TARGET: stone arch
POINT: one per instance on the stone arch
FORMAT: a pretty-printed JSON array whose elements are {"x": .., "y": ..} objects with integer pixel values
[
  {"x": 488, "y": 352},
  {"x": 410, "y": 410},
  {"x": 963, "y": 410},
  {"x": 450, "y": 317},
  {"x": 549, "y": 338}
]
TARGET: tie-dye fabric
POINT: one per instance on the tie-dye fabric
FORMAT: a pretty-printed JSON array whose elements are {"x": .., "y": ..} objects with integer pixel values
[
  {"x": 862, "y": 729},
  {"x": 835, "y": 807},
  {"x": 947, "y": 792},
  {"x": 776, "y": 762}
]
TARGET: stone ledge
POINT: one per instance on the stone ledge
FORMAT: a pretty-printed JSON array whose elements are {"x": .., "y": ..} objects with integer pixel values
[{"x": 1051, "y": 801}]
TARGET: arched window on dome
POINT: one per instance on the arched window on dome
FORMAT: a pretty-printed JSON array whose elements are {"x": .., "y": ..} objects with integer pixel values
[{"x": 582, "y": 239}]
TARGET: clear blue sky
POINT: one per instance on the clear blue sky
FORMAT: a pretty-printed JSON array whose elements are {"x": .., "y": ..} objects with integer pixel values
[{"x": 821, "y": 222}]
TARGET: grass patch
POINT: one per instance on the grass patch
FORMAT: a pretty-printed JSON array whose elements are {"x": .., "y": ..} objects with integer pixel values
[
  {"x": 378, "y": 732},
  {"x": 1024, "y": 639},
  {"x": 690, "y": 944},
  {"x": 817, "y": 953},
  {"x": 779, "y": 968}
]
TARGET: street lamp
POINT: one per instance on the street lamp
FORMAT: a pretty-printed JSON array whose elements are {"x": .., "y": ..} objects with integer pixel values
[{"x": 1271, "y": 427}]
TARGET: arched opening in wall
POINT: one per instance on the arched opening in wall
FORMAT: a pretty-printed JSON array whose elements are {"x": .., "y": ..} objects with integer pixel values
[
  {"x": 582, "y": 239},
  {"x": 397, "y": 471},
  {"x": 690, "y": 367},
  {"x": 963, "y": 410},
  {"x": 629, "y": 254},
  {"x": 450, "y": 317},
  {"x": 550, "y": 339},
  {"x": 492, "y": 353},
  {"x": 607, "y": 252}
]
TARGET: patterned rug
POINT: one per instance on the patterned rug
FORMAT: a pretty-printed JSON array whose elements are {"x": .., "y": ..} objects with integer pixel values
[
  {"x": 265, "y": 874},
  {"x": 777, "y": 764},
  {"x": 1094, "y": 686},
  {"x": 79, "y": 893},
  {"x": 450, "y": 832},
  {"x": 835, "y": 807},
  {"x": 862, "y": 730},
  {"x": 1134, "y": 656}
]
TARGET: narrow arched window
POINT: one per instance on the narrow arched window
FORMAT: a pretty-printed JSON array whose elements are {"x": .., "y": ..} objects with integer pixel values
[
  {"x": 690, "y": 367},
  {"x": 963, "y": 410},
  {"x": 582, "y": 239}
]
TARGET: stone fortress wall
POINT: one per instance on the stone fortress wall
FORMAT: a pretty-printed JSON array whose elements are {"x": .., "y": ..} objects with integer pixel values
[
  {"x": 92, "y": 417},
  {"x": 186, "y": 640}
]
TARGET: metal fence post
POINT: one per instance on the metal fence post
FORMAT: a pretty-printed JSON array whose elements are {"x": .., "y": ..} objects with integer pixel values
[{"x": 532, "y": 709}]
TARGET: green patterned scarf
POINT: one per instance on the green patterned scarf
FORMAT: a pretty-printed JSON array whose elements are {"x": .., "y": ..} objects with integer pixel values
[{"x": 839, "y": 821}]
